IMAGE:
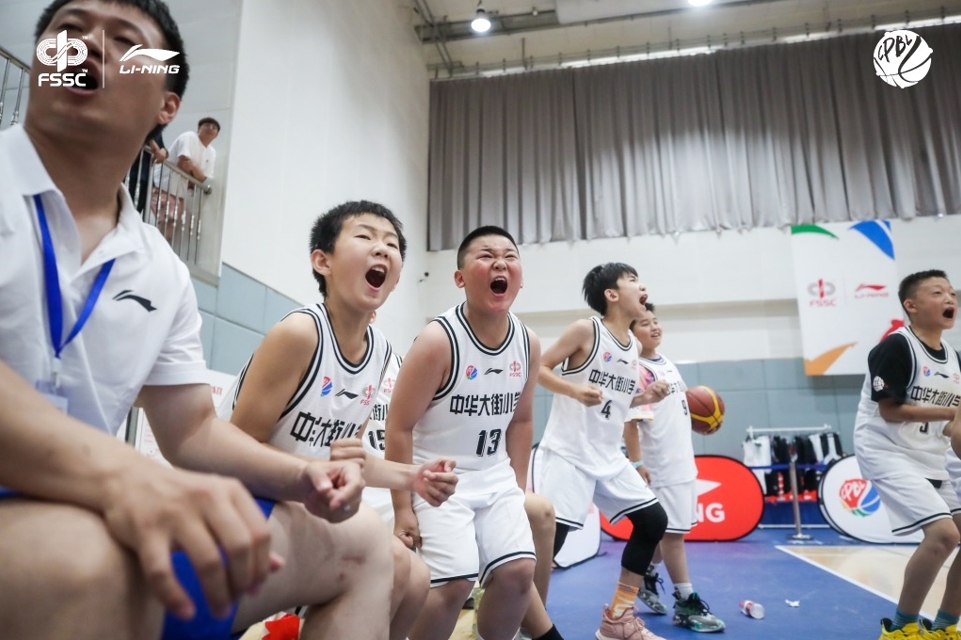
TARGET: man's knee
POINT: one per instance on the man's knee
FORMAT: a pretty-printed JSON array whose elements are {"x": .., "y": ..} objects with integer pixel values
[{"x": 942, "y": 535}]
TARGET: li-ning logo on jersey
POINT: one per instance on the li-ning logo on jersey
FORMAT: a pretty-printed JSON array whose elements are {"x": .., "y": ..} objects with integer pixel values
[
  {"x": 345, "y": 392},
  {"x": 925, "y": 371},
  {"x": 515, "y": 369},
  {"x": 127, "y": 294},
  {"x": 607, "y": 356},
  {"x": 493, "y": 370},
  {"x": 471, "y": 372},
  {"x": 878, "y": 383},
  {"x": 941, "y": 375}
]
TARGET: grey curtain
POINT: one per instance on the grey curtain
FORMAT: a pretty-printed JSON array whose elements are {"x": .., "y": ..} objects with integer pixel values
[{"x": 763, "y": 136}]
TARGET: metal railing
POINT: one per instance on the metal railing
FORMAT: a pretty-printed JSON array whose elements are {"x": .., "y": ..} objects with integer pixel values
[{"x": 187, "y": 212}]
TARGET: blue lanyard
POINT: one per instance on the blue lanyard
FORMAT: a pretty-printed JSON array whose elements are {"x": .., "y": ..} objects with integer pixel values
[{"x": 51, "y": 277}]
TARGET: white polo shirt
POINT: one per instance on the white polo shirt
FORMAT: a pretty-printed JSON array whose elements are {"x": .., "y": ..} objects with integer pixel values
[
  {"x": 187, "y": 144},
  {"x": 145, "y": 327}
]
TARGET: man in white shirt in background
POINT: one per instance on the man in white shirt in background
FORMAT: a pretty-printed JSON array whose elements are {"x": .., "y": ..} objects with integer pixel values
[{"x": 193, "y": 154}]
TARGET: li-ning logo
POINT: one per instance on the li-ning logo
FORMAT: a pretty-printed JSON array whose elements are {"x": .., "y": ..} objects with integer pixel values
[
  {"x": 902, "y": 58},
  {"x": 156, "y": 54},
  {"x": 127, "y": 294},
  {"x": 69, "y": 52},
  {"x": 493, "y": 370},
  {"x": 345, "y": 392},
  {"x": 871, "y": 291}
]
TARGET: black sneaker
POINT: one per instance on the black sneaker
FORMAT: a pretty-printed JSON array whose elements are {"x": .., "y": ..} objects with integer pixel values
[
  {"x": 648, "y": 593},
  {"x": 694, "y": 614}
]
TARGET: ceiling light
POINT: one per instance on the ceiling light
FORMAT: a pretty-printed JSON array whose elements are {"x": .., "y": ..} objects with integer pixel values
[
  {"x": 481, "y": 23},
  {"x": 699, "y": 3}
]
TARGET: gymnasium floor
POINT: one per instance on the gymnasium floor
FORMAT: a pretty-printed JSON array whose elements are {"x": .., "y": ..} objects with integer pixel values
[{"x": 842, "y": 588}]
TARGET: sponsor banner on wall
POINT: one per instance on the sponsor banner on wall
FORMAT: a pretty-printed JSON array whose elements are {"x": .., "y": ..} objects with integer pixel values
[
  {"x": 846, "y": 280},
  {"x": 852, "y": 506},
  {"x": 730, "y": 502},
  {"x": 146, "y": 443}
]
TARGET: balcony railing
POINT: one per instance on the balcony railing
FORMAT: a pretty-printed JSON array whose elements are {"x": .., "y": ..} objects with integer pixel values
[{"x": 187, "y": 212}]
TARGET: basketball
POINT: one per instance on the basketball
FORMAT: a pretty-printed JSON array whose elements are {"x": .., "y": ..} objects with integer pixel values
[{"x": 707, "y": 409}]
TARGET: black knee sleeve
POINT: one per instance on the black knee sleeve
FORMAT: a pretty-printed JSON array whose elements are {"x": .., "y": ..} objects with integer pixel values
[
  {"x": 560, "y": 535},
  {"x": 649, "y": 526}
]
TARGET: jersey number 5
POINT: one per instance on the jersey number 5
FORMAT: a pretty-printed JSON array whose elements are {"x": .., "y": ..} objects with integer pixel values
[{"x": 488, "y": 442}]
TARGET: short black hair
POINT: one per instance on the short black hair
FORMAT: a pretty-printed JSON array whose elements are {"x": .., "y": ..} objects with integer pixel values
[
  {"x": 487, "y": 230},
  {"x": 909, "y": 286},
  {"x": 600, "y": 279},
  {"x": 158, "y": 11},
  {"x": 323, "y": 235},
  {"x": 208, "y": 120},
  {"x": 649, "y": 306}
]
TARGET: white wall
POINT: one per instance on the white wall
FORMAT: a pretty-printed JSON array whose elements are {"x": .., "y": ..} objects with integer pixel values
[
  {"x": 727, "y": 296},
  {"x": 331, "y": 105}
]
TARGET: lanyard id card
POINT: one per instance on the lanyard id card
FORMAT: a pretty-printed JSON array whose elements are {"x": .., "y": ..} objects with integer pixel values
[{"x": 51, "y": 276}]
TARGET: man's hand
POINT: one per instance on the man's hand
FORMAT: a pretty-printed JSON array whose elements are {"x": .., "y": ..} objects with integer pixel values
[
  {"x": 331, "y": 490},
  {"x": 435, "y": 481},
  {"x": 588, "y": 395},
  {"x": 159, "y": 154},
  {"x": 407, "y": 529},
  {"x": 155, "y": 510}
]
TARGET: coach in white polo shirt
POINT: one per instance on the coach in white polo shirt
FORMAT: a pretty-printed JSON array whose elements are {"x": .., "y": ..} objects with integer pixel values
[{"x": 95, "y": 312}]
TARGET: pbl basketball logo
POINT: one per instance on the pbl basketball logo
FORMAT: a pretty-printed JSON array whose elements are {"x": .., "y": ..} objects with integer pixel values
[
  {"x": 902, "y": 58},
  {"x": 471, "y": 372},
  {"x": 859, "y": 497},
  {"x": 327, "y": 387},
  {"x": 607, "y": 356},
  {"x": 925, "y": 371},
  {"x": 515, "y": 369}
]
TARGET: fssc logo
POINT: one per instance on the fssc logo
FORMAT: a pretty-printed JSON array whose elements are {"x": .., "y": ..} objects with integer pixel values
[
  {"x": 68, "y": 52},
  {"x": 823, "y": 293},
  {"x": 902, "y": 58},
  {"x": 515, "y": 369},
  {"x": 368, "y": 394}
]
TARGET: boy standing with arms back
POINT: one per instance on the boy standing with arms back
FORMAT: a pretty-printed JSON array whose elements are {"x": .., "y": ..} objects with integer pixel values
[
  {"x": 910, "y": 393},
  {"x": 465, "y": 390},
  {"x": 582, "y": 442},
  {"x": 670, "y": 471}
]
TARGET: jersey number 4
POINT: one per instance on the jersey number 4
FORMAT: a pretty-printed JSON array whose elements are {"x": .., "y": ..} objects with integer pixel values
[
  {"x": 606, "y": 410},
  {"x": 488, "y": 442}
]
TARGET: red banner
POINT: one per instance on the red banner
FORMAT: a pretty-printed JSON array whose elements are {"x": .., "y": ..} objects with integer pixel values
[{"x": 729, "y": 502}]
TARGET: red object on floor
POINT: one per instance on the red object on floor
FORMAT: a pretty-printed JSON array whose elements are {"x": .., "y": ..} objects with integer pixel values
[{"x": 286, "y": 628}]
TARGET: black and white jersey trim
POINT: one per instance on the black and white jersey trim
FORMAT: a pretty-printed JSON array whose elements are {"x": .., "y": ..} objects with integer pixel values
[
  {"x": 504, "y": 559},
  {"x": 454, "y": 358},
  {"x": 908, "y": 528},
  {"x": 346, "y": 364},
  {"x": 637, "y": 507},
  {"x": 311, "y": 374},
  {"x": 624, "y": 347},
  {"x": 459, "y": 312},
  {"x": 593, "y": 354}
]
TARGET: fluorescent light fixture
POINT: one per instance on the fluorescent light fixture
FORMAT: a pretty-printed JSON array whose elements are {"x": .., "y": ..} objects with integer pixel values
[
  {"x": 481, "y": 23},
  {"x": 698, "y": 3}
]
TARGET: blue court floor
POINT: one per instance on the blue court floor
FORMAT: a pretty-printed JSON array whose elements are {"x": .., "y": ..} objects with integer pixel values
[{"x": 724, "y": 573}]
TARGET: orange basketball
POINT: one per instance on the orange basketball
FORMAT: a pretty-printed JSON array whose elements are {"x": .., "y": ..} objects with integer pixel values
[{"x": 707, "y": 409}]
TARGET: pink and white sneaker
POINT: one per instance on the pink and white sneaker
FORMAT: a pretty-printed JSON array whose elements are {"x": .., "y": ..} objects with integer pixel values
[{"x": 627, "y": 626}]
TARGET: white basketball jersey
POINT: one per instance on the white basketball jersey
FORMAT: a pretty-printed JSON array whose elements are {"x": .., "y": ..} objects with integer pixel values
[
  {"x": 468, "y": 417},
  {"x": 590, "y": 437},
  {"x": 885, "y": 448},
  {"x": 666, "y": 443},
  {"x": 374, "y": 435},
  {"x": 335, "y": 396}
]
